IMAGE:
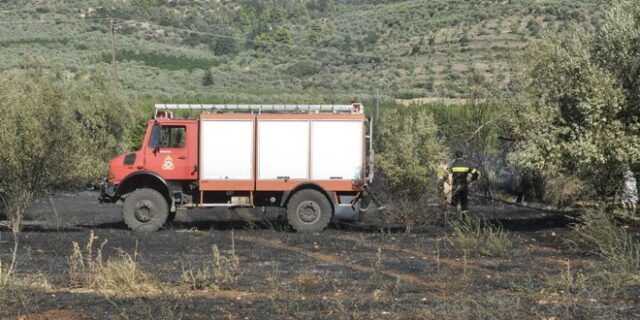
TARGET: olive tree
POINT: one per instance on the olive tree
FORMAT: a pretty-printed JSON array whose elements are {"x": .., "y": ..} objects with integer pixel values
[
  {"x": 408, "y": 157},
  {"x": 581, "y": 113},
  {"x": 55, "y": 135}
]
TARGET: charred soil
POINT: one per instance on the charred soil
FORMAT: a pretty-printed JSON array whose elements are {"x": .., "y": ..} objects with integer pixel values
[{"x": 346, "y": 272}]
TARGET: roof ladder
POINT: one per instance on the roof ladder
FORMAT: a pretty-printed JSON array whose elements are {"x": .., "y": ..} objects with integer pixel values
[{"x": 276, "y": 108}]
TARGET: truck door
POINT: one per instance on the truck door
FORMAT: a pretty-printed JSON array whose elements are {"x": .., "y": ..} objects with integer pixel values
[{"x": 172, "y": 150}]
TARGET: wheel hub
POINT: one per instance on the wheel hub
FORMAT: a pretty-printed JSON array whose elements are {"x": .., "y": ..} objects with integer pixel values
[
  {"x": 309, "y": 212},
  {"x": 144, "y": 211}
]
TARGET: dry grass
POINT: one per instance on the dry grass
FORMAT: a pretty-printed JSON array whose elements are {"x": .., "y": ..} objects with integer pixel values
[
  {"x": 308, "y": 283},
  {"x": 474, "y": 236},
  {"x": 119, "y": 275},
  {"x": 7, "y": 270},
  {"x": 219, "y": 270},
  {"x": 600, "y": 234}
]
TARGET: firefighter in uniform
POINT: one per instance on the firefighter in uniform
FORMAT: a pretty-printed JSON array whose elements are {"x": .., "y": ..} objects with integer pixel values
[{"x": 461, "y": 173}]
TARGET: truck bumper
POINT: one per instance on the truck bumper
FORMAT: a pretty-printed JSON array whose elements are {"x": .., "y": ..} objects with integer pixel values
[{"x": 107, "y": 192}]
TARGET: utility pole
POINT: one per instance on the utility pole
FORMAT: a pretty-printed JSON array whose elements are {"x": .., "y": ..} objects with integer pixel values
[
  {"x": 377, "y": 105},
  {"x": 113, "y": 52}
]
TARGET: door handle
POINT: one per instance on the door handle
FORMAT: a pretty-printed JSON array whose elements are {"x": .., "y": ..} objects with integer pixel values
[{"x": 182, "y": 157}]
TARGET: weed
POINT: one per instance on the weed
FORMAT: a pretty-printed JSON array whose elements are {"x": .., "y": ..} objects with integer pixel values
[
  {"x": 123, "y": 274},
  {"x": 598, "y": 233},
  {"x": 6, "y": 271},
  {"x": 120, "y": 274},
  {"x": 473, "y": 235},
  {"x": 220, "y": 269},
  {"x": 377, "y": 269}
]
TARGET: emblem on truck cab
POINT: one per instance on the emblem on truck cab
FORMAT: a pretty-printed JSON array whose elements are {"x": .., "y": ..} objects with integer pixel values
[{"x": 167, "y": 164}]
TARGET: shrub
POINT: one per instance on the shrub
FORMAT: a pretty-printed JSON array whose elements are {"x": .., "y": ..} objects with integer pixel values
[
  {"x": 303, "y": 69},
  {"x": 598, "y": 233},
  {"x": 220, "y": 270},
  {"x": 474, "y": 236},
  {"x": 580, "y": 116},
  {"x": 408, "y": 156},
  {"x": 55, "y": 135},
  {"x": 119, "y": 275}
]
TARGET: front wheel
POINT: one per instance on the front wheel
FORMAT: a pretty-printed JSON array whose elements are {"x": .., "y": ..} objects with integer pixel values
[
  {"x": 145, "y": 210},
  {"x": 309, "y": 211}
]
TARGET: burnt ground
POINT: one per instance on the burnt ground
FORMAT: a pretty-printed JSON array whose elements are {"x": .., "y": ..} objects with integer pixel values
[{"x": 350, "y": 271}]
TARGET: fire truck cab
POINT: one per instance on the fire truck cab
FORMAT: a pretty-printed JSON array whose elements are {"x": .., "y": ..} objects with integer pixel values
[{"x": 305, "y": 158}]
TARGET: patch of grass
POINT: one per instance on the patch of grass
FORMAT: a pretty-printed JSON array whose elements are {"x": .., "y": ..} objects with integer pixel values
[
  {"x": 474, "y": 236},
  {"x": 7, "y": 270},
  {"x": 120, "y": 274},
  {"x": 598, "y": 233},
  {"x": 221, "y": 269}
]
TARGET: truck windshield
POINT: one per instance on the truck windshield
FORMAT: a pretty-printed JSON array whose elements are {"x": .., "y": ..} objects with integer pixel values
[{"x": 156, "y": 135}]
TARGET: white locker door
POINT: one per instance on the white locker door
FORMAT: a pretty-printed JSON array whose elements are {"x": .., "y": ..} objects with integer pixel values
[
  {"x": 226, "y": 149},
  {"x": 283, "y": 149},
  {"x": 336, "y": 150}
]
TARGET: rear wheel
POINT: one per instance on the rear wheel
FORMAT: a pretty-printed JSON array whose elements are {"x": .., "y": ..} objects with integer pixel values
[
  {"x": 145, "y": 210},
  {"x": 309, "y": 211}
]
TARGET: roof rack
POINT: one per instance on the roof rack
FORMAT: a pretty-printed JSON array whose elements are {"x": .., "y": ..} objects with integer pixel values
[{"x": 284, "y": 108}]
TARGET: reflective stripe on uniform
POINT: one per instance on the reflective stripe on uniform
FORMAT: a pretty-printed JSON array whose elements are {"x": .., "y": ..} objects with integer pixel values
[{"x": 459, "y": 169}]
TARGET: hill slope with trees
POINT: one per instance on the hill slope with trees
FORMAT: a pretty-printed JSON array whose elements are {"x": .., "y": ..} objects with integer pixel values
[{"x": 283, "y": 50}]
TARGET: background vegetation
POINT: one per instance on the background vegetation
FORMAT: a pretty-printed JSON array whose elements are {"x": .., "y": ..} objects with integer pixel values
[{"x": 333, "y": 50}]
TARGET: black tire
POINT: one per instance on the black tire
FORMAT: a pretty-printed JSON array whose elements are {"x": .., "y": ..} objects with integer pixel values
[
  {"x": 145, "y": 210},
  {"x": 309, "y": 211}
]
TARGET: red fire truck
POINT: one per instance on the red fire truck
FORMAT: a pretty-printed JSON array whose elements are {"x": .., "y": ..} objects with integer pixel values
[{"x": 305, "y": 158}]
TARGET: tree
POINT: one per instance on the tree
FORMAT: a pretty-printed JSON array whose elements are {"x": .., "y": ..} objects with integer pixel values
[
  {"x": 408, "y": 157},
  {"x": 207, "y": 79},
  {"x": 263, "y": 41},
  {"x": 226, "y": 45},
  {"x": 316, "y": 32},
  {"x": 284, "y": 36},
  {"x": 581, "y": 116},
  {"x": 55, "y": 135}
]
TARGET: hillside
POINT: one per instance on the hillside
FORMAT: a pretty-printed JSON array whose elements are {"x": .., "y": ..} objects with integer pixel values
[{"x": 282, "y": 50}]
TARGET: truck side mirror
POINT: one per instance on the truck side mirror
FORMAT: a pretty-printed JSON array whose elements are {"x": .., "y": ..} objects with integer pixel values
[{"x": 156, "y": 135}]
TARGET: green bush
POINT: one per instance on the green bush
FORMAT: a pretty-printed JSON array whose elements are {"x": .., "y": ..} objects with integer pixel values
[
  {"x": 56, "y": 135},
  {"x": 598, "y": 233},
  {"x": 474, "y": 236},
  {"x": 580, "y": 112},
  {"x": 408, "y": 156}
]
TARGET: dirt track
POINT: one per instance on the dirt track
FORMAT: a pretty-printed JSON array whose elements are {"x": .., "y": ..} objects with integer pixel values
[{"x": 285, "y": 275}]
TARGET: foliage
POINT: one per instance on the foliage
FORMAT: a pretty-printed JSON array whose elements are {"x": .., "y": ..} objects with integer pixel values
[
  {"x": 408, "y": 156},
  {"x": 56, "y": 134},
  {"x": 162, "y": 61},
  {"x": 581, "y": 111},
  {"x": 207, "y": 79},
  {"x": 408, "y": 152},
  {"x": 226, "y": 45},
  {"x": 598, "y": 233},
  {"x": 221, "y": 269},
  {"x": 164, "y": 45},
  {"x": 120, "y": 274},
  {"x": 474, "y": 236},
  {"x": 472, "y": 127}
]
